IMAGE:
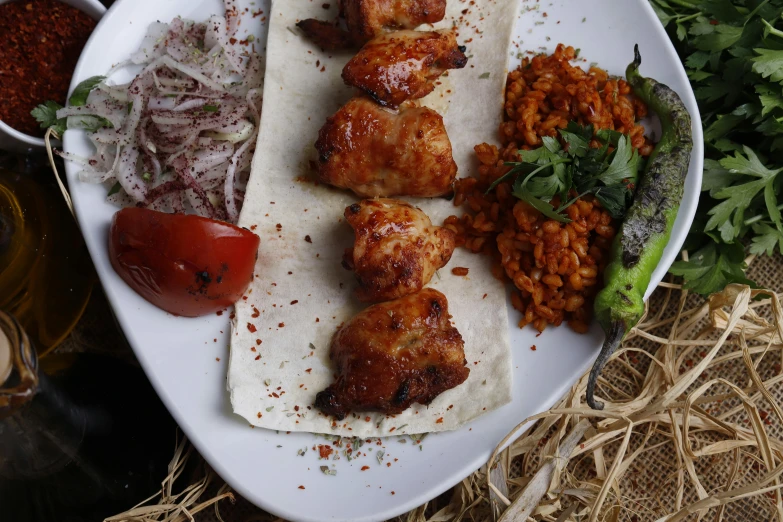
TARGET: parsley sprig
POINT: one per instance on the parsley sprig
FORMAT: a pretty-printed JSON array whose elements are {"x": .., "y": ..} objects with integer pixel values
[
  {"x": 733, "y": 54},
  {"x": 609, "y": 172}
]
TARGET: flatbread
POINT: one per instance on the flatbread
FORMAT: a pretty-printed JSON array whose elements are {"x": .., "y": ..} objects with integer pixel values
[{"x": 301, "y": 294}]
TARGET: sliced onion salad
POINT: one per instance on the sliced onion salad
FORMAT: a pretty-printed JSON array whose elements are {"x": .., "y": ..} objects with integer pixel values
[{"x": 181, "y": 135}]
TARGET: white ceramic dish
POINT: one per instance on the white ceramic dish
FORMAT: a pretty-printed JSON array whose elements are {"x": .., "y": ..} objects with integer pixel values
[
  {"x": 186, "y": 359},
  {"x": 10, "y": 138}
]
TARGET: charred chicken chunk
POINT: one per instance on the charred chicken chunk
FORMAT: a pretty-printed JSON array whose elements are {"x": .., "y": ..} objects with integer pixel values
[
  {"x": 394, "y": 354},
  {"x": 376, "y": 152},
  {"x": 365, "y": 19},
  {"x": 397, "y": 249},
  {"x": 400, "y": 66}
]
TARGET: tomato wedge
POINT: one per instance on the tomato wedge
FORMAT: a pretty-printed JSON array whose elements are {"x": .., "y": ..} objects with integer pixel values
[{"x": 187, "y": 265}]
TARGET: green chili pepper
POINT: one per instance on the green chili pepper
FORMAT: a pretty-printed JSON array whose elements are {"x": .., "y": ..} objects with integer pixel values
[{"x": 638, "y": 247}]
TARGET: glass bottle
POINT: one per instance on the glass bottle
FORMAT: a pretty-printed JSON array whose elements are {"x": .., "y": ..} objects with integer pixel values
[
  {"x": 46, "y": 275},
  {"x": 87, "y": 443}
]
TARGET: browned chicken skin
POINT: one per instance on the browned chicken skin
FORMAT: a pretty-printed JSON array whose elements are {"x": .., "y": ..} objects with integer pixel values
[
  {"x": 400, "y": 66},
  {"x": 378, "y": 153},
  {"x": 394, "y": 354},
  {"x": 397, "y": 249},
  {"x": 366, "y": 19}
]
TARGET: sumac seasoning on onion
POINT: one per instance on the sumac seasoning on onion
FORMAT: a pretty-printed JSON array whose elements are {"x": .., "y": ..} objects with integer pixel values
[{"x": 43, "y": 40}]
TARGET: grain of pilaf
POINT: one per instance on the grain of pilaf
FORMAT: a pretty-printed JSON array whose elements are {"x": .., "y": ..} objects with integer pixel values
[{"x": 555, "y": 267}]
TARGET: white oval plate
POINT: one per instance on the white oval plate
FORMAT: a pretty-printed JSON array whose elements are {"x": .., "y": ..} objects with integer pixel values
[{"x": 186, "y": 359}]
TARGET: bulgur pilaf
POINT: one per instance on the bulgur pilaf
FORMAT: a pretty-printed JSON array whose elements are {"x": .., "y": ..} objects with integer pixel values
[{"x": 555, "y": 267}]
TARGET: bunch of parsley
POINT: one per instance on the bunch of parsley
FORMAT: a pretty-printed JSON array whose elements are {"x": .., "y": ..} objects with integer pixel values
[
  {"x": 733, "y": 54},
  {"x": 609, "y": 173}
]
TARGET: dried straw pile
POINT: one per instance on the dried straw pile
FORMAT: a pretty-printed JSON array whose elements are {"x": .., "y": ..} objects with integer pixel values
[{"x": 692, "y": 428}]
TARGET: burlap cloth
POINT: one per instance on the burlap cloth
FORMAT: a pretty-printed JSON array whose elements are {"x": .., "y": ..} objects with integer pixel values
[{"x": 649, "y": 487}]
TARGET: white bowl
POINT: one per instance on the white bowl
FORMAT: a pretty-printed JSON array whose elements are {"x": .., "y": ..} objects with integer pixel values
[{"x": 10, "y": 138}]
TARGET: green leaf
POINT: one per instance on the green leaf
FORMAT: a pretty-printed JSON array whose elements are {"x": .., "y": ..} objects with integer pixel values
[
  {"x": 80, "y": 93},
  {"x": 682, "y": 33},
  {"x": 609, "y": 136},
  {"x": 769, "y": 64},
  {"x": 211, "y": 108},
  {"x": 716, "y": 177},
  {"x": 721, "y": 10},
  {"x": 615, "y": 199},
  {"x": 114, "y": 189},
  {"x": 751, "y": 165},
  {"x": 771, "y": 98},
  {"x": 697, "y": 76},
  {"x": 46, "y": 115},
  {"x": 697, "y": 60},
  {"x": 711, "y": 268},
  {"x": 624, "y": 165},
  {"x": 722, "y": 37},
  {"x": 576, "y": 145},
  {"x": 766, "y": 239},
  {"x": 521, "y": 192}
]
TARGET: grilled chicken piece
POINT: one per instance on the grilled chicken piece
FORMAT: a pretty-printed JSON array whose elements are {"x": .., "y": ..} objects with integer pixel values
[
  {"x": 397, "y": 249},
  {"x": 394, "y": 354},
  {"x": 378, "y": 153},
  {"x": 365, "y": 19},
  {"x": 400, "y": 66},
  {"x": 326, "y": 35}
]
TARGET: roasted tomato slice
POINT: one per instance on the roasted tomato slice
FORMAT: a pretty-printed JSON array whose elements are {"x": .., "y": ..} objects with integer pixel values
[{"x": 186, "y": 265}]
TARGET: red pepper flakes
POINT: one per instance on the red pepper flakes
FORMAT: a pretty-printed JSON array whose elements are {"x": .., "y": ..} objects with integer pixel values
[
  {"x": 251, "y": 327},
  {"x": 294, "y": 301},
  {"x": 460, "y": 271},
  {"x": 388, "y": 464},
  {"x": 280, "y": 325},
  {"x": 533, "y": 347},
  {"x": 439, "y": 421},
  {"x": 393, "y": 493},
  {"x": 301, "y": 487},
  {"x": 258, "y": 357},
  {"x": 259, "y": 415},
  {"x": 324, "y": 451},
  {"x": 258, "y": 341},
  {"x": 308, "y": 370},
  {"x": 307, "y": 238},
  {"x": 365, "y": 468},
  {"x": 43, "y": 41},
  {"x": 256, "y": 313}
]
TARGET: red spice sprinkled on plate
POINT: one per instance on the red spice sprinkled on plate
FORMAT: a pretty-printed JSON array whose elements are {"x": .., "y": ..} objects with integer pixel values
[
  {"x": 365, "y": 468},
  {"x": 439, "y": 421},
  {"x": 251, "y": 327},
  {"x": 258, "y": 341},
  {"x": 294, "y": 301},
  {"x": 460, "y": 271},
  {"x": 259, "y": 415},
  {"x": 367, "y": 419},
  {"x": 533, "y": 347},
  {"x": 301, "y": 487},
  {"x": 256, "y": 313},
  {"x": 324, "y": 451},
  {"x": 280, "y": 325},
  {"x": 308, "y": 370},
  {"x": 388, "y": 464},
  {"x": 219, "y": 313},
  {"x": 257, "y": 357},
  {"x": 217, "y": 359},
  {"x": 393, "y": 493}
]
